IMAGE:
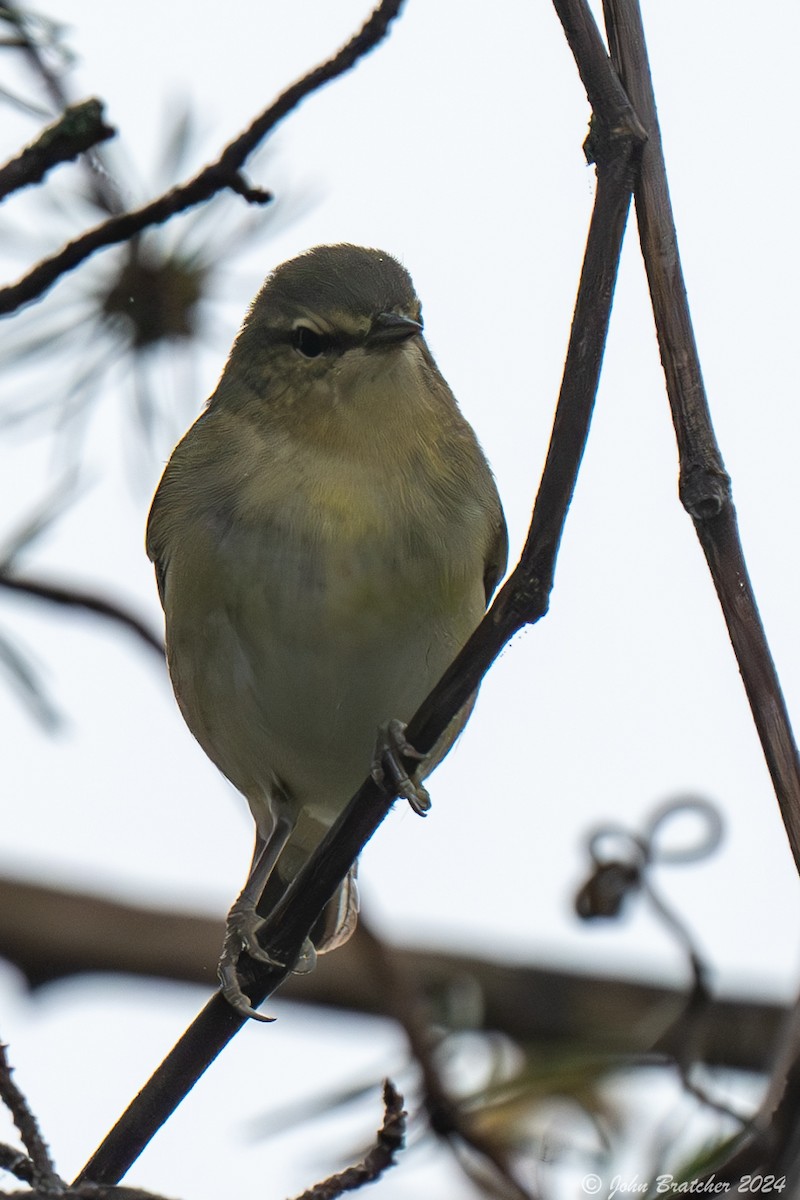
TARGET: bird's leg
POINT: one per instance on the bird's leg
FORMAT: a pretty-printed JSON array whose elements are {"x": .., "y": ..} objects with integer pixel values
[
  {"x": 390, "y": 749},
  {"x": 243, "y": 924}
]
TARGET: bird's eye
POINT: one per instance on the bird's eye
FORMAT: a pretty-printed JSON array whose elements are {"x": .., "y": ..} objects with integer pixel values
[{"x": 307, "y": 341}]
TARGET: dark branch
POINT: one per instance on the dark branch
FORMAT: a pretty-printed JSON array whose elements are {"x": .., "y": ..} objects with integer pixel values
[
  {"x": 222, "y": 174},
  {"x": 88, "y": 601},
  {"x": 53, "y": 933},
  {"x": 525, "y": 596},
  {"x": 80, "y": 127},
  {"x": 704, "y": 485},
  {"x": 608, "y": 99}
]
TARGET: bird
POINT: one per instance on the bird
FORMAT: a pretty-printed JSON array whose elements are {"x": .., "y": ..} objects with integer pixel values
[{"x": 326, "y": 536}]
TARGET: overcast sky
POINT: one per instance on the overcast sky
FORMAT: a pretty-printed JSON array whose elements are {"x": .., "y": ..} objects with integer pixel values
[{"x": 457, "y": 147}]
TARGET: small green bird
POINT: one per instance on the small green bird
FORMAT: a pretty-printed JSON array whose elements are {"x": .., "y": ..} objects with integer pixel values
[{"x": 326, "y": 537}]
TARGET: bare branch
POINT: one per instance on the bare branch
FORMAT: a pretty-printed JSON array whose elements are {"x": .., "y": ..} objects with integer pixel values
[
  {"x": 705, "y": 488},
  {"x": 80, "y": 127},
  {"x": 390, "y": 1140},
  {"x": 216, "y": 177},
  {"x": 53, "y": 933}
]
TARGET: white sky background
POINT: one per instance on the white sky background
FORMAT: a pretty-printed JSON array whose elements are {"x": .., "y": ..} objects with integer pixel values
[{"x": 457, "y": 147}]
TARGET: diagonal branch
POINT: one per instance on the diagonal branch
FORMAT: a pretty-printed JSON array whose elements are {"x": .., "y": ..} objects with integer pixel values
[
  {"x": 705, "y": 487},
  {"x": 216, "y": 177},
  {"x": 616, "y": 142}
]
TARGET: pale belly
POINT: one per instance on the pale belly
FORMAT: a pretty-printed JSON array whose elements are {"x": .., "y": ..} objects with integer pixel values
[{"x": 286, "y": 661}]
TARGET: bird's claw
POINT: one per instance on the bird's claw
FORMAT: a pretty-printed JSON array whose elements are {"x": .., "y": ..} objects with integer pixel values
[
  {"x": 241, "y": 937},
  {"x": 232, "y": 991},
  {"x": 392, "y": 746}
]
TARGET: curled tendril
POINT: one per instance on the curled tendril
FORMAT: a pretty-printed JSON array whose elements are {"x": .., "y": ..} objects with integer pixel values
[
  {"x": 622, "y": 861},
  {"x": 623, "y": 857}
]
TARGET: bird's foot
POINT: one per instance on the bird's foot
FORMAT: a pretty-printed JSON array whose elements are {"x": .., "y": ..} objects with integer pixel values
[
  {"x": 241, "y": 936},
  {"x": 391, "y": 747}
]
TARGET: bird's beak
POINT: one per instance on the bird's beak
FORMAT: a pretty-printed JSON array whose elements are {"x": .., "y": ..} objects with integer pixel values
[{"x": 389, "y": 328}]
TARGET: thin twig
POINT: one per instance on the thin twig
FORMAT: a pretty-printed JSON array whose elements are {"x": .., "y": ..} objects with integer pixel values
[
  {"x": 705, "y": 488},
  {"x": 80, "y": 127},
  {"x": 43, "y": 1171},
  {"x": 88, "y": 601},
  {"x": 388, "y": 1143},
  {"x": 218, "y": 176}
]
